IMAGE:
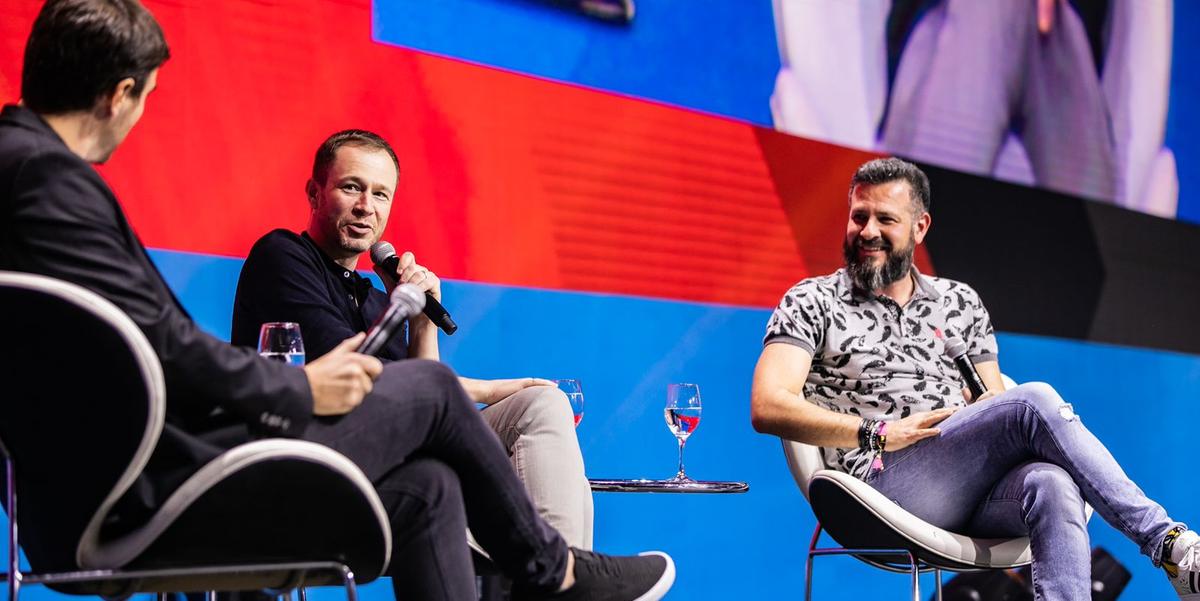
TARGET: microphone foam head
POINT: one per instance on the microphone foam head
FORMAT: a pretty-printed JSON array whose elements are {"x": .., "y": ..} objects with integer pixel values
[
  {"x": 380, "y": 251},
  {"x": 955, "y": 347},
  {"x": 410, "y": 296}
]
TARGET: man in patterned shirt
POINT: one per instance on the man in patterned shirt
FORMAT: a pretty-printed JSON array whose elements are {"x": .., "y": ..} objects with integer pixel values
[{"x": 855, "y": 362}]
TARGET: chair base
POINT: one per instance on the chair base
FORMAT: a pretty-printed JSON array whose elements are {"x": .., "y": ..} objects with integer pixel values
[
  {"x": 280, "y": 577},
  {"x": 890, "y": 561}
]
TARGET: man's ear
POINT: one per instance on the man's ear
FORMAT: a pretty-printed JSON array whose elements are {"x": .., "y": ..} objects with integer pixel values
[
  {"x": 310, "y": 189},
  {"x": 922, "y": 226},
  {"x": 118, "y": 100}
]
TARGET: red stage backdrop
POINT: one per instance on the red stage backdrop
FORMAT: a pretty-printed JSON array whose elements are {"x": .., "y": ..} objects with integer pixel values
[{"x": 505, "y": 178}]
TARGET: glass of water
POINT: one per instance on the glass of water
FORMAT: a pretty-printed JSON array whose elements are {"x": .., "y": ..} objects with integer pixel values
[
  {"x": 682, "y": 413},
  {"x": 574, "y": 392},
  {"x": 281, "y": 341}
]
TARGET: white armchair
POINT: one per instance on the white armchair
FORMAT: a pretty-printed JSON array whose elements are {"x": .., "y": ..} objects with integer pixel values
[{"x": 872, "y": 528}]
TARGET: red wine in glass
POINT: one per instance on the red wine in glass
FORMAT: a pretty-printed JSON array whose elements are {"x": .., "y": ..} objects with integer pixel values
[{"x": 682, "y": 413}]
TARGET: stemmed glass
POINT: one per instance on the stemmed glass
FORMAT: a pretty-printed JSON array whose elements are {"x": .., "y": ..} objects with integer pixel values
[
  {"x": 281, "y": 341},
  {"x": 574, "y": 392},
  {"x": 683, "y": 415}
]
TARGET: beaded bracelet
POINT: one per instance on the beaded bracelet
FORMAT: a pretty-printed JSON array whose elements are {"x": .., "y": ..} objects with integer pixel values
[
  {"x": 866, "y": 431},
  {"x": 872, "y": 435},
  {"x": 878, "y": 445}
]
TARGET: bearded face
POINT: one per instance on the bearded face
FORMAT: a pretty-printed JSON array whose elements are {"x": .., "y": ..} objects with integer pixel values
[
  {"x": 882, "y": 234},
  {"x": 873, "y": 264}
]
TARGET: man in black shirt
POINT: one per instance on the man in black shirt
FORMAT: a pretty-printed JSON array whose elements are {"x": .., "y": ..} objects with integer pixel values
[
  {"x": 89, "y": 67},
  {"x": 310, "y": 279}
]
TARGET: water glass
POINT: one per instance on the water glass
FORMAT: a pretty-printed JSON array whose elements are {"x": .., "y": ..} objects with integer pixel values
[
  {"x": 574, "y": 392},
  {"x": 281, "y": 341}
]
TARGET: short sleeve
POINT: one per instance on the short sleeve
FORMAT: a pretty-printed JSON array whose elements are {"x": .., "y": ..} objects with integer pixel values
[
  {"x": 981, "y": 338},
  {"x": 798, "y": 319}
]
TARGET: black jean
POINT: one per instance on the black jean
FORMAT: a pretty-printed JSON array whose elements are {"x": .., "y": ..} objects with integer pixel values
[{"x": 439, "y": 468}]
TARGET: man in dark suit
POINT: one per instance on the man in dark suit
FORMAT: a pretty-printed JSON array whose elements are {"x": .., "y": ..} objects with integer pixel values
[{"x": 89, "y": 67}]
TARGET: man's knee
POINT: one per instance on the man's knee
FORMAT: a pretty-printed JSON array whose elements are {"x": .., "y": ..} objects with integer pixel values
[
  {"x": 544, "y": 405},
  {"x": 430, "y": 380},
  {"x": 1042, "y": 398},
  {"x": 1050, "y": 488},
  {"x": 532, "y": 410}
]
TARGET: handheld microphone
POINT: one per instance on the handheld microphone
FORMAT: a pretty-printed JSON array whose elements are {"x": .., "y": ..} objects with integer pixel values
[
  {"x": 383, "y": 254},
  {"x": 956, "y": 349},
  {"x": 406, "y": 301}
]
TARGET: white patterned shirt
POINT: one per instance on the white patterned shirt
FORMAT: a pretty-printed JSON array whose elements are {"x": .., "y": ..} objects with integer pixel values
[{"x": 873, "y": 358}]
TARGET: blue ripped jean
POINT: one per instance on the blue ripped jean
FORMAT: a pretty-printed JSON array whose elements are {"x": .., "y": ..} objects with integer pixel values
[{"x": 1023, "y": 464}]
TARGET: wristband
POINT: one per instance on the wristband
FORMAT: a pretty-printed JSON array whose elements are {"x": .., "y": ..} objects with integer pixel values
[
  {"x": 866, "y": 432},
  {"x": 878, "y": 443}
]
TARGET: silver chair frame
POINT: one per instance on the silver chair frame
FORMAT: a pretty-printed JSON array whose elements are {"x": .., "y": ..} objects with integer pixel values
[
  {"x": 15, "y": 578},
  {"x": 915, "y": 568}
]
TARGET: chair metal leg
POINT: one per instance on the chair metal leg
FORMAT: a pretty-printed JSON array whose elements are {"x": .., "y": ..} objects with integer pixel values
[
  {"x": 348, "y": 582},
  {"x": 808, "y": 570},
  {"x": 937, "y": 583},
  {"x": 808, "y": 563},
  {"x": 14, "y": 547},
  {"x": 302, "y": 594},
  {"x": 210, "y": 596},
  {"x": 14, "y": 584},
  {"x": 164, "y": 596},
  {"x": 916, "y": 577}
]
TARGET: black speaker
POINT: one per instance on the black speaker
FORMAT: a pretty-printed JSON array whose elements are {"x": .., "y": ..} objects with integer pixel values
[{"x": 1109, "y": 577}]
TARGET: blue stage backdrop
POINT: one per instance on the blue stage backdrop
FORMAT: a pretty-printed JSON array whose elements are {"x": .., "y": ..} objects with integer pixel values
[
  {"x": 451, "y": 123},
  {"x": 626, "y": 350}
]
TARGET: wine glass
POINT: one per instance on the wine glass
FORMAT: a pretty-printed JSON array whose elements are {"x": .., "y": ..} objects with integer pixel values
[
  {"x": 574, "y": 392},
  {"x": 683, "y": 415},
  {"x": 281, "y": 341}
]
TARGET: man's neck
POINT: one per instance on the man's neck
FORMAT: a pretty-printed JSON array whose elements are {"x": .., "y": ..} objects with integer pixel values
[
  {"x": 80, "y": 132},
  {"x": 900, "y": 290},
  {"x": 349, "y": 262}
]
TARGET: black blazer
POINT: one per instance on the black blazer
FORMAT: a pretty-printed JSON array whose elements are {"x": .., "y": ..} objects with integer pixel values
[{"x": 59, "y": 218}]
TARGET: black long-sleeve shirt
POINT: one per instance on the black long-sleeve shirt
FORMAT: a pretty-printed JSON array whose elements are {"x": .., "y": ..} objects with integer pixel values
[{"x": 286, "y": 277}]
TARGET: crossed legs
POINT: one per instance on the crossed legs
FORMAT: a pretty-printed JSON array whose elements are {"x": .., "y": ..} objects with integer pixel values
[
  {"x": 438, "y": 468},
  {"x": 1022, "y": 463}
]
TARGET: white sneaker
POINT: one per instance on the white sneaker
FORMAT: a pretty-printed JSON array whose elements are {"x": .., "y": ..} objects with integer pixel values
[{"x": 1185, "y": 575}]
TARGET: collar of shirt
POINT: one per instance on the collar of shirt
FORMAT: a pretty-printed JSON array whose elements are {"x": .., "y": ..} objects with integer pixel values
[
  {"x": 356, "y": 285},
  {"x": 924, "y": 289}
]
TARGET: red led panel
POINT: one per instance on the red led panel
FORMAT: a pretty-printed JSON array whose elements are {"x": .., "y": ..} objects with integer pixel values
[{"x": 505, "y": 178}]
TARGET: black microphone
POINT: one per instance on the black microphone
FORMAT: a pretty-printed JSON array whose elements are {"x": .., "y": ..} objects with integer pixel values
[
  {"x": 406, "y": 301},
  {"x": 956, "y": 349},
  {"x": 383, "y": 254}
]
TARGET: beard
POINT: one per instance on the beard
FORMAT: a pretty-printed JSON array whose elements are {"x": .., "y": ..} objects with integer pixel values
[{"x": 866, "y": 275}]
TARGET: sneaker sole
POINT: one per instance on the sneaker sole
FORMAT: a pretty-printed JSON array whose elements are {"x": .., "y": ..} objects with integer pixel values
[{"x": 665, "y": 581}]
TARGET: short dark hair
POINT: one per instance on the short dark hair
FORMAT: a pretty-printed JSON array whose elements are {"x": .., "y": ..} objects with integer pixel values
[
  {"x": 881, "y": 171},
  {"x": 79, "y": 50},
  {"x": 327, "y": 152}
]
